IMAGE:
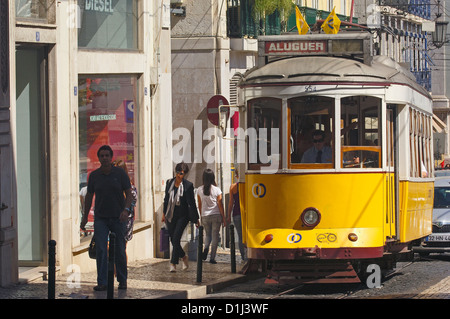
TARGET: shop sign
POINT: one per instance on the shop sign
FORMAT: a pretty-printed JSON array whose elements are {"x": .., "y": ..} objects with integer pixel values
[
  {"x": 99, "y": 6},
  {"x": 105, "y": 117}
]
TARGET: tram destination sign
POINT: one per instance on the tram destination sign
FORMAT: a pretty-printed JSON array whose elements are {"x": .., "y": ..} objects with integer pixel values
[
  {"x": 356, "y": 45},
  {"x": 295, "y": 47}
]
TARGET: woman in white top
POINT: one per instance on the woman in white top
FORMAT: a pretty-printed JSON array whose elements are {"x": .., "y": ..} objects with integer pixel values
[{"x": 212, "y": 212}]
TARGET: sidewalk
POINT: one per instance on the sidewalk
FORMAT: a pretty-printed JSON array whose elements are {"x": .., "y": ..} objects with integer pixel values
[
  {"x": 147, "y": 279},
  {"x": 439, "y": 291}
]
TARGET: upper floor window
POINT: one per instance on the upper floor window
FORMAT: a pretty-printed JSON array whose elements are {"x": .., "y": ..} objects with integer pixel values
[
  {"x": 108, "y": 24},
  {"x": 36, "y": 10}
]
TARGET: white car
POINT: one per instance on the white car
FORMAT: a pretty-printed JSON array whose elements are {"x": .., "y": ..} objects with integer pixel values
[{"x": 439, "y": 240}]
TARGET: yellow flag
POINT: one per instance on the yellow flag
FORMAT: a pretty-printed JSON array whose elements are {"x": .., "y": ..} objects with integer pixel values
[
  {"x": 302, "y": 26},
  {"x": 331, "y": 24}
]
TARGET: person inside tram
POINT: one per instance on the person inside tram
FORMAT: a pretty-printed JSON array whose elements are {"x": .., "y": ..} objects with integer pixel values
[
  {"x": 423, "y": 170},
  {"x": 319, "y": 152},
  {"x": 301, "y": 140},
  {"x": 351, "y": 159}
]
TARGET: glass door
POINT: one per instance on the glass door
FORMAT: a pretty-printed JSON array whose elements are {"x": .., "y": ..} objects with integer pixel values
[{"x": 31, "y": 128}]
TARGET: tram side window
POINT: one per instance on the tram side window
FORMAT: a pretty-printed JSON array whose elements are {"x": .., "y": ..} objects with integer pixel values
[
  {"x": 311, "y": 132},
  {"x": 420, "y": 144},
  {"x": 360, "y": 132},
  {"x": 264, "y": 134}
]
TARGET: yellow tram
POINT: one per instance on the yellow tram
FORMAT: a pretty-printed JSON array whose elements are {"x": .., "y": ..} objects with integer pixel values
[{"x": 371, "y": 193}]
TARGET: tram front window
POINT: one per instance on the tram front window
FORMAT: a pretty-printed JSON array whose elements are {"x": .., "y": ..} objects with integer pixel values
[
  {"x": 264, "y": 144},
  {"x": 360, "y": 132},
  {"x": 311, "y": 139}
]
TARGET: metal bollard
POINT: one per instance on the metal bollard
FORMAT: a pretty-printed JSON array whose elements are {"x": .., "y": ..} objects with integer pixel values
[
  {"x": 232, "y": 250},
  {"x": 51, "y": 269},
  {"x": 199, "y": 254},
  {"x": 111, "y": 258}
]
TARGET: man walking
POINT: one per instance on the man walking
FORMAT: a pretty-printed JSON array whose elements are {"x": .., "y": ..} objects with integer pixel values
[{"x": 108, "y": 183}]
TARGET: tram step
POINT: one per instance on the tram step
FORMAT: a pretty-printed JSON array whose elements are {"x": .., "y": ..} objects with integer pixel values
[{"x": 312, "y": 273}]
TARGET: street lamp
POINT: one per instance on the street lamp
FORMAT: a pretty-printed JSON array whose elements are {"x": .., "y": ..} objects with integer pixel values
[
  {"x": 438, "y": 36},
  {"x": 440, "y": 31}
]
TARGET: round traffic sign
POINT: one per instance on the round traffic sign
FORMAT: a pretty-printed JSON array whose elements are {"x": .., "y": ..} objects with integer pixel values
[{"x": 212, "y": 108}]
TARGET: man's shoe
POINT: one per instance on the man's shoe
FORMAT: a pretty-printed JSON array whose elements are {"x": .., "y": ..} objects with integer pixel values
[
  {"x": 100, "y": 288},
  {"x": 123, "y": 285}
]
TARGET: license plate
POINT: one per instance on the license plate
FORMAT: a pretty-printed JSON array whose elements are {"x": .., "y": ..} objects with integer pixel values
[{"x": 438, "y": 237}]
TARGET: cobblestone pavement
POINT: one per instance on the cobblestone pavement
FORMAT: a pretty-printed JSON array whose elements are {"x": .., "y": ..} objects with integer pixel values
[
  {"x": 147, "y": 279},
  {"x": 151, "y": 279},
  {"x": 439, "y": 291}
]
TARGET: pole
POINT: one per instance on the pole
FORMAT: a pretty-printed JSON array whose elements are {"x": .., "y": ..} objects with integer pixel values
[
  {"x": 199, "y": 254},
  {"x": 51, "y": 269},
  {"x": 352, "y": 11},
  {"x": 111, "y": 258},
  {"x": 232, "y": 249}
]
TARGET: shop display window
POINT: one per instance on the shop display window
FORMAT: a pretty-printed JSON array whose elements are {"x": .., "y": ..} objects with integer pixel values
[{"x": 106, "y": 106}]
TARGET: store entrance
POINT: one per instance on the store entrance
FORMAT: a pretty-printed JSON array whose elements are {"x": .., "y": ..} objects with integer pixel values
[{"x": 32, "y": 153}]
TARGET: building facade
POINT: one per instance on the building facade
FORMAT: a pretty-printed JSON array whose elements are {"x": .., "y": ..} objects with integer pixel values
[
  {"x": 82, "y": 73},
  {"x": 200, "y": 70},
  {"x": 441, "y": 91}
]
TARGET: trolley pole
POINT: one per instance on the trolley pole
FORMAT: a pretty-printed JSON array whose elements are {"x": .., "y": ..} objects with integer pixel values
[
  {"x": 199, "y": 254},
  {"x": 232, "y": 250},
  {"x": 111, "y": 258},
  {"x": 51, "y": 269}
]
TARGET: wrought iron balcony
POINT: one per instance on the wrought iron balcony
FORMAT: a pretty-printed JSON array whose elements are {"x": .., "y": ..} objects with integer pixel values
[{"x": 242, "y": 24}]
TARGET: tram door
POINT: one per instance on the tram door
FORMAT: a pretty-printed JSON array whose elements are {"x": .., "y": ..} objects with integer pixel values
[{"x": 391, "y": 180}]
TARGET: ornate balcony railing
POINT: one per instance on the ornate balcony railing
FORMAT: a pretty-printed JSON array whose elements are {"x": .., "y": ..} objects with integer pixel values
[{"x": 241, "y": 21}]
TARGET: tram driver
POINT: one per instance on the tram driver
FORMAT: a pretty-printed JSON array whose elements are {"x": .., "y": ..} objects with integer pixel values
[{"x": 319, "y": 152}]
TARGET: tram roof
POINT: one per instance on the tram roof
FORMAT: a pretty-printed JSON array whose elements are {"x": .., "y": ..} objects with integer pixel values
[{"x": 324, "y": 69}]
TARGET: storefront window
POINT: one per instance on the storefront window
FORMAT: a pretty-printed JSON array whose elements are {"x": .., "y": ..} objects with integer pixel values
[
  {"x": 108, "y": 24},
  {"x": 106, "y": 116}
]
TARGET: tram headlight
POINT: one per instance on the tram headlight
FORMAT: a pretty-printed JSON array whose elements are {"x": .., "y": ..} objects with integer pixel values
[
  {"x": 268, "y": 238},
  {"x": 352, "y": 237},
  {"x": 310, "y": 217}
]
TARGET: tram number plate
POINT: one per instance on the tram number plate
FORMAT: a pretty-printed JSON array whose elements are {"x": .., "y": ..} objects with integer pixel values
[{"x": 440, "y": 237}]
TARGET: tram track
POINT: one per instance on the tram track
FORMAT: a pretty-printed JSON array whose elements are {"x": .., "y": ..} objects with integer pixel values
[
  {"x": 285, "y": 292},
  {"x": 350, "y": 292},
  {"x": 385, "y": 277}
]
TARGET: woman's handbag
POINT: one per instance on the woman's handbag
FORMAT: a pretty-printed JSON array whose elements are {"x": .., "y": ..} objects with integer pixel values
[
  {"x": 163, "y": 240},
  {"x": 92, "y": 249}
]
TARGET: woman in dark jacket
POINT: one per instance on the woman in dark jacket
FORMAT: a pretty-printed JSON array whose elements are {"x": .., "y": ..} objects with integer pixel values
[{"x": 179, "y": 209}]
